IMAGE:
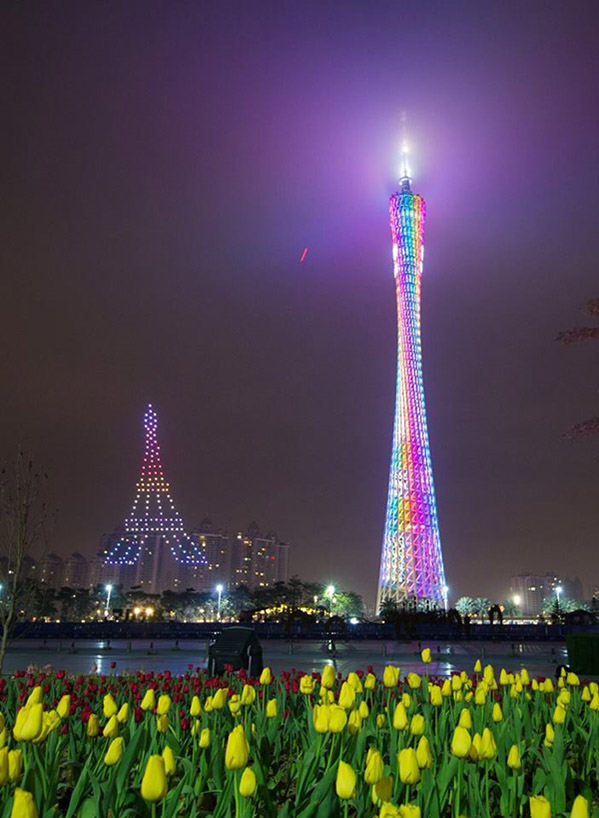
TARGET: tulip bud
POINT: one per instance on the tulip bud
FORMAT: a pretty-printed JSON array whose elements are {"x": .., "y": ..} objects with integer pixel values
[
  {"x": 161, "y": 723},
  {"x": 572, "y": 679},
  {"x": 414, "y": 680},
  {"x": 196, "y": 707},
  {"x": 474, "y": 751},
  {"x": 423, "y": 754},
  {"x": 417, "y": 724},
  {"x": 4, "y": 774},
  {"x": 169, "y": 761},
  {"x": 164, "y": 703},
  {"x": 465, "y": 719},
  {"x": 478, "y": 666},
  {"x": 381, "y": 791},
  {"x": 594, "y": 703},
  {"x": 219, "y": 699},
  {"x": 337, "y": 719},
  {"x": 93, "y": 726},
  {"x": 235, "y": 704},
  {"x": 123, "y": 713},
  {"x": 271, "y": 709},
  {"x": 114, "y": 752},
  {"x": 320, "y": 717},
  {"x": 586, "y": 694},
  {"x": 549, "y": 735},
  {"x": 436, "y": 695},
  {"x": 374, "y": 767},
  {"x": 248, "y": 695},
  {"x": 460, "y": 742},
  {"x": 266, "y": 676},
  {"x": 513, "y": 758},
  {"x": 247, "y": 783},
  {"x": 33, "y": 722},
  {"x": 488, "y": 747},
  {"x": 112, "y": 728},
  {"x": 380, "y": 720},
  {"x": 205, "y": 738},
  {"x": 391, "y": 676},
  {"x": 328, "y": 676},
  {"x": 409, "y": 771},
  {"x": 347, "y": 696},
  {"x": 63, "y": 708},
  {"x": 580, "y": 807},
  {"x": 446, "y": 688},
  {"x": 364, "y": 710},
  {"x": 539, "y": 807},
  {"x": 237, "y": 751},
  {"x": 345, "y": 783},
  {"x": 426, "y": 656},
  {"x": 408, "y": 811},
  {"x": 154, "y": 784},
  {"x": 370, "y": 682},
  {"x": 15, "y": 765},
  {"x": 559, "y": 715},
  {"x": 149, "y": 700},
  {"x": 497, "y": 713},
  {"x": 35, "y": 697},
  {"x": 549, "y": 688},
  {"x": 23, "y": 805},
  {"x": 354, "y": 680},
  {"x": 400, "y": 718},
  {"x": 110, "y": 708}
]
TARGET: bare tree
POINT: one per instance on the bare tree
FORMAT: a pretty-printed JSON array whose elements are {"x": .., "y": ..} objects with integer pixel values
[
  {"x": 572, "y": 336},
  {"x": 24, "y": 519}
]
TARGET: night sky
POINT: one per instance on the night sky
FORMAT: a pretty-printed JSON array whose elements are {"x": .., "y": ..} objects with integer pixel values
[{"x": 164, "y": 165}]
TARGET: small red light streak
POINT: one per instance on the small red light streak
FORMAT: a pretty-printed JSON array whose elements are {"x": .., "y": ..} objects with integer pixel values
[{"x": 304, "y": 254}]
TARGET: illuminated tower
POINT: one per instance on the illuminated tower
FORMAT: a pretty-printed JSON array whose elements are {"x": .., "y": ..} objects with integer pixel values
[
  {"x": 411, "y": 559},
  {"x": 152, "y": 547}
]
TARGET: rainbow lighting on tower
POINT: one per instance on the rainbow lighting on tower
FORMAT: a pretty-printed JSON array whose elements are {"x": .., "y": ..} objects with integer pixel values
[
  {"x": 411, "y": 559},
  {"x": 153, "y": 538}
]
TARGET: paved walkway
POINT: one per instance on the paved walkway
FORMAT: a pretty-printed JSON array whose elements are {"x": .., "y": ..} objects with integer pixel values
[{"x": 540, "y": 658}]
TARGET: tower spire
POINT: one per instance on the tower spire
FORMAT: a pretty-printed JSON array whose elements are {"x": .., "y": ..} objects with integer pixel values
[{"x": 405, "y": 180}]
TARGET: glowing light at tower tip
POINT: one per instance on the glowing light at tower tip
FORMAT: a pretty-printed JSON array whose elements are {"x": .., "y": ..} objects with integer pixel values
[{"x": 411, "y": 559}]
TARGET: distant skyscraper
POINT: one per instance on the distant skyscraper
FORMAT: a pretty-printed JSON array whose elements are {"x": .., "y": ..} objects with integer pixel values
[
  {"x": 259, "y": 560},
  {"x": 411, "y": 560},
  {"x": 152, "y": 546},
  {"x": 216, "y": 548}
]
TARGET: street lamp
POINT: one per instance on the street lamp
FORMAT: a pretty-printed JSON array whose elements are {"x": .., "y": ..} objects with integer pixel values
[
  {"x": 558, "y": 591},
  {"x": 108, "y": 589},
  {"x": 330, "y": 592},
  {"x": 445, "y": 593},
  {"x": 219, "y": 591}
]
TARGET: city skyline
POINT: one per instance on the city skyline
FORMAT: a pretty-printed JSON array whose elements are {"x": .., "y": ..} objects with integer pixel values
[{"x": 166, "y": 169}]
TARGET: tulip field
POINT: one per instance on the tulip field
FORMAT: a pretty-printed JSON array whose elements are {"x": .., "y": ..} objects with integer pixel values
[{"x": 298, "y": 746}]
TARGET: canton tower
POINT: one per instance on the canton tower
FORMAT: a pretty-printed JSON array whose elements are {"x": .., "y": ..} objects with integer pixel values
[
  {"x": 411, "y": 559},
  {"x": 153, "y": 544}
]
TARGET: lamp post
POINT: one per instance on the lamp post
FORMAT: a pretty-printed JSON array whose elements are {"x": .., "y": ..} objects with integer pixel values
[
  {"x": 219, "y": 590},
  {"x": 330, "y": 592},
  {"x": 558, "y": 591},
  {"x": 108, "y": 589},
  {"x": 445, "y": 593}
]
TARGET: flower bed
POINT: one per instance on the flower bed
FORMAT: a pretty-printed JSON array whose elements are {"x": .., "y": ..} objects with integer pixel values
[{"x": 298, "y": 746}]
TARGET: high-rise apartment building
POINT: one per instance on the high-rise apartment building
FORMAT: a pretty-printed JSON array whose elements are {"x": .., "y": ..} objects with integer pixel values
[{"x": 259, "y": 560}]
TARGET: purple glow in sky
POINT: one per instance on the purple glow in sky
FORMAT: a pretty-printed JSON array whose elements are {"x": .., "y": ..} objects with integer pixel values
[{"x": 162, "y": 163}]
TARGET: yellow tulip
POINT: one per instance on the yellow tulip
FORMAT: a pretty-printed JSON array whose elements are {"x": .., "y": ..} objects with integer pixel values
[
  {"x": 114, "y": 752},
  {"x": 32, "y": 722},
  {"x": 503, "y": 677},
  {"x": 414, "y": 680},
  {"x": 446, "y": 688},
  {"x": 417, "y": 724},
  {"x": 219, "y": 699},
  {"x": 572, "y": 679},
  {"x": 423, "y": 754},
  {"x": 513, "y": 758},
  {"x": 93, "y": 726},
  {"x": 205, "y": 738},
  {"x": 594, "y": 688},
  {"x": 400, "y": 718},
  {"x": 374, "y": 767},
  {"x": 580, "y": 807},
  {"x": 549, "y": 735},
  {"x": 380, "y": 720},
  {"x": 110, "y": 707},
  {"x": 354, "y": 722},
  {"x": 559, "y": 715},
  {"x": 169, "y": 761},
  {"x": 15, "y": 765},
  {"x": 480, "y": 697},
  {"x": 237, "y": 751},
  {"x": 23, "y": 805},
  {"x": 474, "y": 751},
  {"x": 271, "y": 709},
  {"x": 149, "y": 700},
  {"x": 347, "y": 696},
  {"x": 112, "y": 728},
  {"x": 164, "y": 705},
  {"x": 208, "y": 704},
  {"x": 328, "y": 676},
  {"x": 549, "y": 688},
  {"x": 162, "y": 723},
  {"x": 426, "y": 656},
  {"x": 436, "y": 695},
  {"x": 370, "y": 682},
  {"x": 63, "y": 708},
  {"x": 248, "y": 695},
  {"x": 539, "y": 807},
  {"x": 345, "y": 784},
  {"x": 460, "y": 742},
  {"x": 564, "y": 697},
  {"x": 195, "y": 708},
  {"x": 364, "y": 710},
  {"x": 497, "y": 713},
  {"x": 534, "y": 684},
  {"x": 123, "y": 713},
  {"x": 409, "y": 771},
  {"x": 3, "y": 737},
  {"x": 488, "y": 747},
  {"x": 381, "y": 791},
  {"x": 35, "y": 697},
  {"x": 266, "y": 676},
  {"x": 154, "y": 785},
  {"x": 409, "y": 811},
  {"x": 391, "y": 676},
  {"x": 320, "y": 717},
  {"x": 235, "y": 704},
  {"x": 465, "y": 719},
  {"x": 586, "y": 694},
  {"x": 4, "y": 775},
  {"x": 406, "y": 700},
  {"x": 389, "y": 811},
  {"x": 594, "y": 703},
  {"x": 247, "y": 783},
  {"x": 354, "y": 680},
  {"x": 337, "y": 719},
  {"x": 524, "y": 677},
  {"x": 307, "y": 684},
  {"x": 478, "y": 666}
]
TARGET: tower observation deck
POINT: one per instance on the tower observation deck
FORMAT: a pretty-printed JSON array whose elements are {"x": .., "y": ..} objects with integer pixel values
[{"x": 411, "y": 559}]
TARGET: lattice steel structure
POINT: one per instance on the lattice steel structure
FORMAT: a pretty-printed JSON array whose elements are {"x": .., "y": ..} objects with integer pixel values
[
  {"x": 153, "y": 534},
  {"x": 411, "y": 559}
]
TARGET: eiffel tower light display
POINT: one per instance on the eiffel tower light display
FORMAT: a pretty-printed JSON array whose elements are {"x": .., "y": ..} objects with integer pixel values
[
  {"x": 153, "y": 539},
  {"x": 411, "y": 560}
]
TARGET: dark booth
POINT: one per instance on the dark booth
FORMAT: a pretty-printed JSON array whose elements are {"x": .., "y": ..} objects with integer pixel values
[{"x": 238, "y": 647}]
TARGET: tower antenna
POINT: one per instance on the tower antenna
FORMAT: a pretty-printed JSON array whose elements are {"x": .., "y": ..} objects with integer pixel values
[{"x": 405, "y": 179}]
